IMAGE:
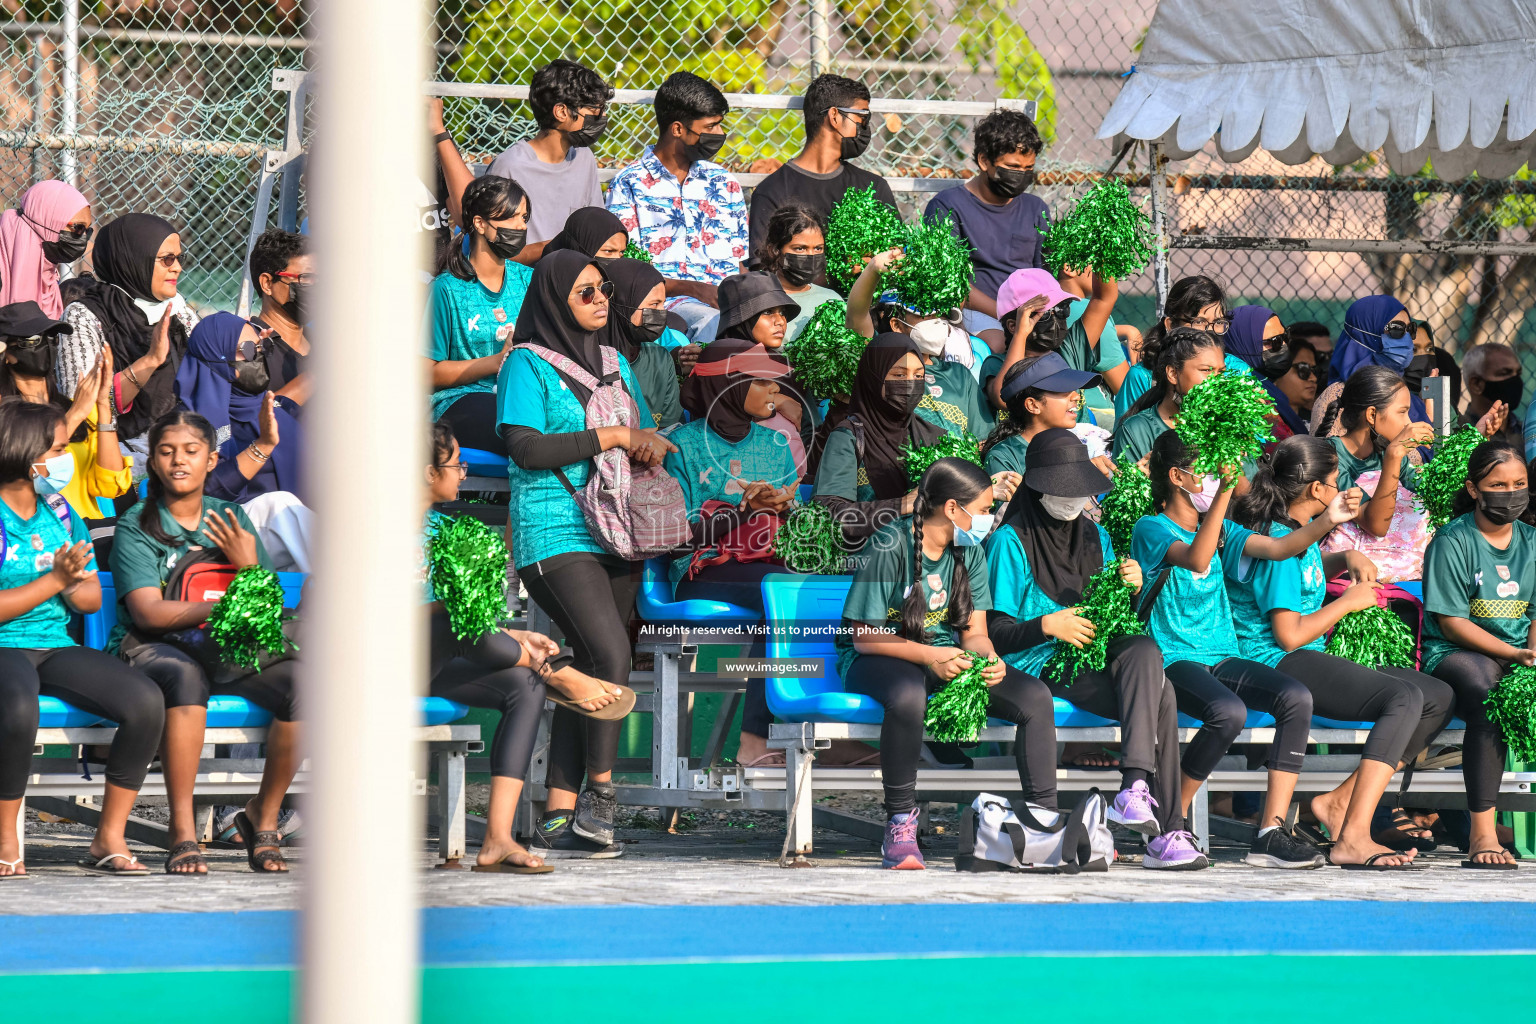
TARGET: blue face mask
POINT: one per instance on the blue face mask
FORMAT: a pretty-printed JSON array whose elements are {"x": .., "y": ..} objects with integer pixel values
[
  {"x": 61, "y": 470},
  {"x": 981, "y": 525}
]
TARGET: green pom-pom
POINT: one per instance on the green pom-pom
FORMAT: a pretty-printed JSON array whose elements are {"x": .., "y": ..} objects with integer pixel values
[
  {"x": 1107, "y": 604},
  {"x": 1123, "y": 507},
  {"x": 1104, "y": 230},
  {"x": 247, "y": 621},
  {"x": 1512, "y": 707},
  {"x": 1225, "y": 419},
  {"x": 858, "y": 227},
  {"x": 809, "y": 540},
  {"x": 635, "y": 252},
  {"x": 1443, "y": 477},
  {"x": 468, "y": 567},
  {"x": 934, "y": 273},
  {"x": 959, "y": 711},
  {"x": 1373, "y": 637},
  {"x": 950, "y": 446},
  {"x": 825, "y": 355}
]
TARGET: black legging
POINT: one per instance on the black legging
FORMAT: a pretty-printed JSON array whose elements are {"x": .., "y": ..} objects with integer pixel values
[
  {"x": 1221, "y": 696},
  {"x": 484, "y": 674},
  {"x": 590, "y": 599},
  {"x": 1406, "y": 708},
  {"x": 1473, "y": 676},
  {"x": 1133, "y": 691},
  {"x": 473, "y": 419},
  {"x": 740, "y": 584},
  {"x": 184, "y": 683},
  {"x": 902, "y": 688},
  {"x": 92, "y": 681}
]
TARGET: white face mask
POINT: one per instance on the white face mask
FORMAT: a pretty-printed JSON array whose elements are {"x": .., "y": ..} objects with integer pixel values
[
  {"x": 1203, "y": 498},
  {"x": 930, "y": 336},
  {"x": 1065, "y": 509}
]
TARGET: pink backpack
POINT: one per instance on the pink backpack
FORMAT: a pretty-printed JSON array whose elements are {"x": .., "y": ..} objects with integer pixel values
[{"x": 632, "y": 512}]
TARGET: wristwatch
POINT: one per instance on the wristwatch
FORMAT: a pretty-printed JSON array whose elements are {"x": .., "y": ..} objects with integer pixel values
[{"x": 109, "y": 427}]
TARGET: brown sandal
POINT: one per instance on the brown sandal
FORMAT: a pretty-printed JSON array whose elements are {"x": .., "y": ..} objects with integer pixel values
[
  {"x": 261, "y": 848},
  {"x": 186, "y": 851}
]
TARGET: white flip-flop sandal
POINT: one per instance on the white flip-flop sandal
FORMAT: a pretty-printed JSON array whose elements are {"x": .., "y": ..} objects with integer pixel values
[
  {"x": 13, "y": 865},
  {"x": 133, "y": 870}
]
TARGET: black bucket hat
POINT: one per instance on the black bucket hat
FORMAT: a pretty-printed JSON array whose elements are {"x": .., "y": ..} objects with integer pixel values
[
  {"x": 1057, "y": 464},
  {"x": 744, "y": 296},
  {"x": 27, "y": 320}
]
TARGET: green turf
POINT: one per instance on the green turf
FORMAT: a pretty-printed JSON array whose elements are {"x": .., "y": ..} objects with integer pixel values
[{"x": 1351, "y": 989}]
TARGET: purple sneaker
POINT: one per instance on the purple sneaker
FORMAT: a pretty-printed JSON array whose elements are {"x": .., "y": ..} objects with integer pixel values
[
  {"x": 899, "y": 850},
  {"x": 1174, "y": 851},
  {"x": 1133, "y": 809}
]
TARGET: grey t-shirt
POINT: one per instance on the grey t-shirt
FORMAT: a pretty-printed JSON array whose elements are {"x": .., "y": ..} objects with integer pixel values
[{"x": 554, "y": 190}]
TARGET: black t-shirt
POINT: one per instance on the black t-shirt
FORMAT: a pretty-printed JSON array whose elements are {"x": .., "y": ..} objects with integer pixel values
[
  {"x": 818, "y": 191},
  {"x": 283, "y": 363}
]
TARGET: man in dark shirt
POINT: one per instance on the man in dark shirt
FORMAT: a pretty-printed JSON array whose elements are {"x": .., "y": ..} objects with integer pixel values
[
  {"x": 837, "y": 129},
  {"x": 283, "y": 273},
  {"x": 995, "y": 213}
]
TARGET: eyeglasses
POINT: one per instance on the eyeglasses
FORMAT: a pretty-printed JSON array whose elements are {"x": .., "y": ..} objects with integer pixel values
[
  {"x": 1217, "y": 326},
  {"x": 855, "y": 112},
  {"x": 463, "y": 469},
  {"x": 1304, "y": 371},
  {"x": 304, "y": 279},
  {"x": 172, "y": 259},
  {"x": 589, "y": 294}
]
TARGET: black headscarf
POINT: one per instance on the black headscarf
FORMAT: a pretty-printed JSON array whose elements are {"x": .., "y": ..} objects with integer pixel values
[
  {"x": 124, "y": 263},
  {"x": 586, "y": 230},
  {"x": 546, "y": 317},
  {"x": 885, "y": 427},
  {"x": 722, "y": 399},
  {"x": 1062, "y": 555},
  {"x": 632, "y": 282}
]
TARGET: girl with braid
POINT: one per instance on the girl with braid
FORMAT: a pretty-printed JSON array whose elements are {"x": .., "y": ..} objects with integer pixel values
[{"x": 915, "y": 618}]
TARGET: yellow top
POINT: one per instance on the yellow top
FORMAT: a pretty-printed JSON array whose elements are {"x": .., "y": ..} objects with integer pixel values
[{"x": 92, "y": 481}]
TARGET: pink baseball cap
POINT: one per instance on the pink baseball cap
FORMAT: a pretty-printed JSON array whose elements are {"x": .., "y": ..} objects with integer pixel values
[{"x": 1023, "y": 285}]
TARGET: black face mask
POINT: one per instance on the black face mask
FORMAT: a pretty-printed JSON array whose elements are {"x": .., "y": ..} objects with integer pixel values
[
  {"x": 294, "y": 307},
  {"x": 1008, "y": 182},
  {"x": 33, "y": 360},
  {"x": 1276, "y": 362},
  {"x": 1322, "y": 367},
  {"x": 1509, "y": 391},
  {"x": 801, "y": 268},
  {"x": 1418, "y": 368},
  {"x": 251, "y": 376},
  {"x": 1501, "y": 507},
  {"x": 903, "y": 395},
  {"x": 1050, "y": 330},
  {"x": 508, "y": 242},
  {"x": 652, "y": 323},
  {"x": 705, "y": 149},
  {"x": 590, "y": 131},
  {"x": 853, "y": 147},
  {"x": 66, "y": 250}
]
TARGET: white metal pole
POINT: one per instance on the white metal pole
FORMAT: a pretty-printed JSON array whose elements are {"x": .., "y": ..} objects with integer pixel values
[
  {"x": 1160, "y": 225},
  {"x": 363, "y": 658},
  {"x": 821, "y": 37},
  {"x": 69, "y": 113}
]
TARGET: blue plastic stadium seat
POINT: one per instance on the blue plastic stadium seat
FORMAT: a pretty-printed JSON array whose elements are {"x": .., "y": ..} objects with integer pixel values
[
  {"x": 1319, "y": 722},
  {"x": 1070, "y": 717},
  {"x": 1414, "y": 587},
  {"x": 55, "y": 714},
  {"x": 483, "y": 463},
  {"x": 655, "y": 602},
  {"x": 804, "y": 491}
]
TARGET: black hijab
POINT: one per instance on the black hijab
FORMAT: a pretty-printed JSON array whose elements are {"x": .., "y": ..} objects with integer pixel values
[
  {"x": 124, "y": 264},
  {"x": 586, "y": 230},
  {"x": 632, "y": 282},
  {"x": 721, "y": 398},
  {"x": 1062, "y": 555},
  {"x": 546, "y": 317},
  {"x": 885, "y": 427}
]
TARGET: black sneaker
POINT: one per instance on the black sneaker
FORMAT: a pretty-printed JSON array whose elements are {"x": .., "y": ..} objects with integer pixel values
[
  {"x": 554, "y": 840},
  {"x": 1280, "y": 848},
  {"x": 595, "y": 808}
]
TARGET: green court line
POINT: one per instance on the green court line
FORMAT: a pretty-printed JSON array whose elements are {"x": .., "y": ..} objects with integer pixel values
[{"x": 1083, "y": 989}]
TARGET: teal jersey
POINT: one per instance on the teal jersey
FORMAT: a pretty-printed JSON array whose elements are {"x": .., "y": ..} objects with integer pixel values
[
  {"x": 1015, "y": 592},
  {"x": 1466, "y": 577},
  {"x": 1135, "y": 434},
  {"x": 1191, "y": 619},
  {"x": 709, "y": 468},
  {"x": 1007, "y": 456},
  {"x": 544, "y": 518},
  {"x": 1350, "y": 468},
  {"x": 657, "y": 375},
  {"x": 954, "y": 401},
  {"x": 840, "y": 473},
  {"x": 466, "y": 320},
  {"x": 29, "y": 548},
  {"x": 1257, "y": 586}
]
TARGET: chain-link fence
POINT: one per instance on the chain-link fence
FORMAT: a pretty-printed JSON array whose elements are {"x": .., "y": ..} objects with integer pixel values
[{"x": 174, "y": 106}]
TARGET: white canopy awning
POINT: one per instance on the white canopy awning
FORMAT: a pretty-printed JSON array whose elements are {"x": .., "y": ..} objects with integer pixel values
[{"x": 1450, "y": 81}]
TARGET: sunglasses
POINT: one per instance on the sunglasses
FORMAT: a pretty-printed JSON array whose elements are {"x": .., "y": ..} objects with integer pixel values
[
  {"x": 1395, "y": 330},
  {"x": 1304, "y": 371},
  {"x": 588, "y": 295},
  {"x": 73, "y": 230},
  {"x": 172, "y": 259},
  {"x": 247, "y": 351},
  {"x": 853, "y": 112}
]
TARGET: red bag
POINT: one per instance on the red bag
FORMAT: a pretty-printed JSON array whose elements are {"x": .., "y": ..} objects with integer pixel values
[{"x": 750, "y": 541}]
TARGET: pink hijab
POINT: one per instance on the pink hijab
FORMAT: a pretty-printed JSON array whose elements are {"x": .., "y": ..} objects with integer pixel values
[{"x": 25, "y": 273}]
